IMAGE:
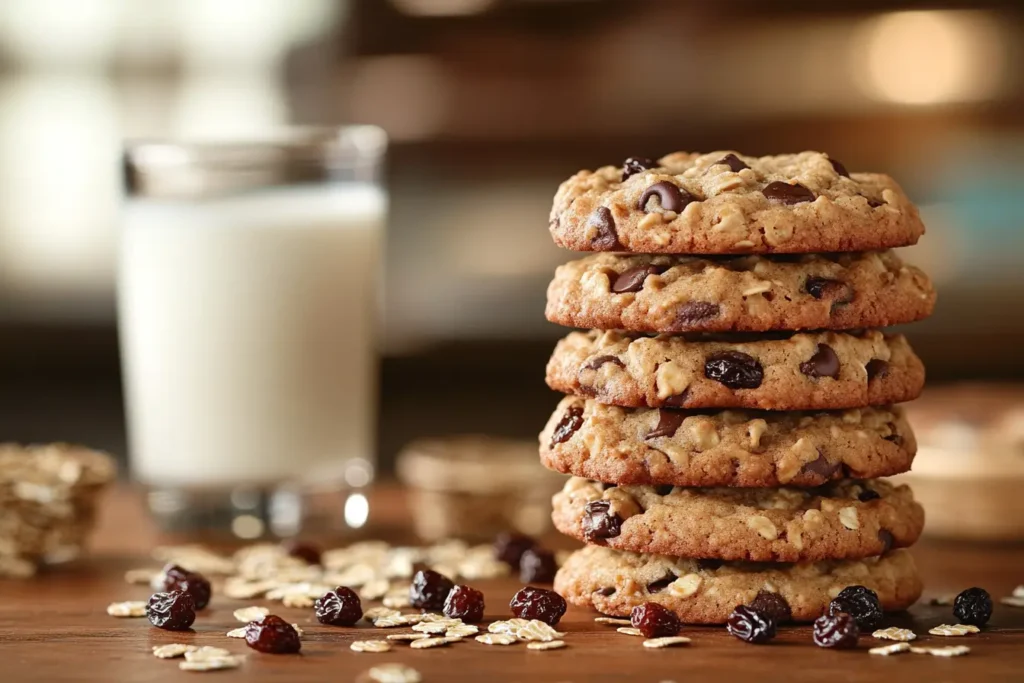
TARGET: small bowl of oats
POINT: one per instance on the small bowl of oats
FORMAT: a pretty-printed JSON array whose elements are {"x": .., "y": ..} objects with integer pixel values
[{"x": 48, "y": 499}]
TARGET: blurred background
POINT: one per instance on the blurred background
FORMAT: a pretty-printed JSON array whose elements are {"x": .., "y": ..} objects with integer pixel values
[{"x": 489, "y": 105}]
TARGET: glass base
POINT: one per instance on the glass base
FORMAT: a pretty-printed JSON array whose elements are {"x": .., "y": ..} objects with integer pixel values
[{"x": 250, "y": 513}]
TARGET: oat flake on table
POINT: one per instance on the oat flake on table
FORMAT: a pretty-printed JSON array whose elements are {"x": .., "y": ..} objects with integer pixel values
[
  {"x": 546, "y": 645},
  {"x": 407, "y": 636},
  {"x": 496, "y": 639},
  {"x": 954, "y": 630},
  {"x": 894, "y": 633},
  {"x": 886, "y": 650},
  {"x": 237, "y": 632},
  {"x": 948, "y": 651},
  {"x": 629, "y": 631},
  {"x": 393, "y": 673},
  {"x": 212, "y": 664},
  {"x": 248, "y": 614},
  {"x": 370, "y": 646},
  {"x": 425, "y": 643},
  {"x": 130, "y": 609},
  {"x": 614, "y": 621},
  {"x": 172, "y": 650},
  {"x": 1013, "y": 600},
  {"x": 667, "y": 641}
]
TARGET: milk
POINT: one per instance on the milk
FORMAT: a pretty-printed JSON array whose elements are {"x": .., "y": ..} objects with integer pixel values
[{"x": 247, "y": 335}]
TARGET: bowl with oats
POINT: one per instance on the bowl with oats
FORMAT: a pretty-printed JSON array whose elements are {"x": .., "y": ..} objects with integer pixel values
[{"x": 48, "y": 501}]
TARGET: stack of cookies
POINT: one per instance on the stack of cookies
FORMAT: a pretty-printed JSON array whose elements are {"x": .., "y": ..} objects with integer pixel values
[{"x": 730, "y": 408}]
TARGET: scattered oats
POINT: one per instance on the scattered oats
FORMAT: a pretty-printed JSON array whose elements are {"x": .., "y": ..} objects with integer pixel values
[
  {"x": 143, "y": 576},
  {"x": 509, "y": 626},
  {"x": 370, "y": 646},
  {"x": 666, "y": 641},
  {"x": 237, "y": 633},
  {"x": 375, "y": 613},
  {"x": 614, "y": 621},
  {"x": 297, "y": 600},
  {"x": 197, "y": 654},
  {"x": 547, "y": 645},
  {"x": 247, "y": 614},
  {"x": 425, "y": 643},
  {"x": 629, "y": 631},
  {"x": 397, "y": 599},
  {"x": 1018, "y": 592},
  {"x": 461, "y": 630},
  {"x": 302, "y": 588},
  {"x": 886, "y": 650},
  {"x": 398, "y": 620},
  {"x": 212, "y": 664},
  {"x": 393, "y": 673},
  {"x": 534, "y": 629},
  {"x": 171, "y": 651},
  {"x": 954, "y": 630},
  {"x": 949, "y": 651},
  {"x": 129, "y": 609},
  {"x": 497, "y": 639},
  {"x": 432, "y": 624},
  {"x": 407, "y": 636},
  {"x": 375, "y": 589},
  {"x": 242, "y": 589},
  {"x": 893, "y": 633},
  {"x": 195, "y": 558},
  {"x": 1013, "y": 601},
  {"x": 943, "y": 600}
]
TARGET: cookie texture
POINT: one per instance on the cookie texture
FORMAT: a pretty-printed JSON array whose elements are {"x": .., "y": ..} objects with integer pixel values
[
  {"x": 815, "y": 371},
  {"x": 704, "y": 592},
  {"x": 725, "y": 448},
  {"x": 656, "y": 293},
  {"x": 725, "y": 203},
  {"x": 848, "y": 519}
]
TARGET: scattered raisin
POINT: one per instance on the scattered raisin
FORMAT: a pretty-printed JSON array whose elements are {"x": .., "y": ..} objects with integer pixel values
[
  {"x": 973, "y": 606},
  {"x": 538, "y": 603},
  {"x": 429, "y": 590},
  {"x": 750, "y": 625},
  {"x": 272, "y": 635},
  {"x": 174, "y": 611},
  {"x": 195, "y": 584},
  {"x": 859, "y": 602},
  {"x": 734, "y": 369},
  {"x": 599, "y": 522},
  {"x": 509, "y": 547},
  {"x": 773, "y": 605},
  {"x": 307, "y": 552},
  {"x": 839, "y": 631},
  {"x": 464, "y": 603},
  {"x": 537, "y": 566},
  {"x": 655, "y": 621},
  {"x": 339, "y": 607}
]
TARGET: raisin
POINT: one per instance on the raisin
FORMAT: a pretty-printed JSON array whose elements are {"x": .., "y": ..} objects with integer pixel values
[
  {"x": 750, "y": 625},
  {"x": 429, "y": 590},
  {"x": 174, "y": 611},
  {"x": 537, "y": 566},
  {"x": 773, "y": 605},
  {"x": 272, "y": 635},
  {"x": 973, "y": 606},
  {"x": 307, "y": 552},
  {"x": 634, "y": 165},
  {"x": 839, "y": 631},
  {"x": 195, "y": 584},
  {"x": 824, "y": 288},
  {"x": 734, "y": 369},
  {"x": 655, "y": 621},
  {"x": 868, "y": 494},
  {"x": 339, "y": 607},
  {"x": 568, "y": 425},
  {"x": 538, "y": 603},
  {"x": 509, "y": 547},
  {"x": 859, "y": 602},
  {"x": 599, "y": 522},
  {"x": 464, "y": 603}
]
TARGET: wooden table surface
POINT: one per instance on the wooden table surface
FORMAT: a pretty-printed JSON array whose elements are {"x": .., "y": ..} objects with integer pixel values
[{"x": 54, "y": 628}]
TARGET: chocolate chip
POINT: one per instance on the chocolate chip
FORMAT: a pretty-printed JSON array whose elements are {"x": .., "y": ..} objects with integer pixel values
[
  {"x": 709, "y": 564},
  {"x": 568, "y": 425},
  {"x": 895, "y": 438},
  {"x": 693, "y": 313},
  {"x": 634, "y": 165},
  {"x": 874, "y": 203},
  {"x": 734, "y": 369},
  {"x": 633, "y": 279},
  {"x": 734, "y": 163},
  {"x": 868, "y": 494},
  {"x": 607, "y": 591},
  {"x": 824, "y": 363},
  {"x": 606, "y": 238},
  {"x": 664, "y": 489},
  {"x": 661, "y": 584},
  {"x": 595, "y": 363},
  {"x": 821, "y": 467},
  {"x": 672, "y": 198},
  {"x": 785, "y": 193},
  {"x": 886, "y": 537},
  {"x": 838, "y": 167},
  {"x": 824, "y": 288},
  {"x": 877, "y": 369},
  {"x": 599, "y": 522},
  {"x": 668, "y": 422},
  {"x": 677, "y": 401}
]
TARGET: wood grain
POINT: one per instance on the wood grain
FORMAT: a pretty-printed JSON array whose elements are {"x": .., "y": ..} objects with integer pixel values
[{"x": 54, "y": 628}]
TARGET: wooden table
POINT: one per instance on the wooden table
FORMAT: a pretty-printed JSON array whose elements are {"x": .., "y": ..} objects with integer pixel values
[{"x": 54, "y": 628}]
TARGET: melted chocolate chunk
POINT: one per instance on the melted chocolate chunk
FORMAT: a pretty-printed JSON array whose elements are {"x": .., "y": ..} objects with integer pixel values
[
  {"x": 821, "y": 467},
  {"x": 606, "y": 238},
  {"x": 838, "y": 167},
  {"x": 661, "y": 584},
  {"x": 786, "y": 193},
  {"x": 734, "y": 163},
  {"x": 877, "y": 369},
  {"x": 693, "y": 313},
  {"x": 595, "y": 363},
  {"x": 824, "y": 363},
  {"x": 633, "y": 279},
  {"x": 672, "y": 197},
  {"x": 669, "y": 422}
]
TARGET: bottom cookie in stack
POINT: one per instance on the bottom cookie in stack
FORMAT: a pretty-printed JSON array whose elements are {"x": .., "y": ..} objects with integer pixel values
[{"x": 706, "y": 591}]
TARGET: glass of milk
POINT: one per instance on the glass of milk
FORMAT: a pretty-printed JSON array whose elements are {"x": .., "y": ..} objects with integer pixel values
[{"x": 249, "y": 276}]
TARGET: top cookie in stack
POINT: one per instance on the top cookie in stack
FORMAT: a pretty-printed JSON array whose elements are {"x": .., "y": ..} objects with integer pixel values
[{"x": 741, "y": 287}]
